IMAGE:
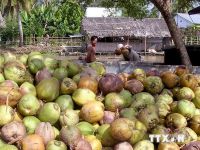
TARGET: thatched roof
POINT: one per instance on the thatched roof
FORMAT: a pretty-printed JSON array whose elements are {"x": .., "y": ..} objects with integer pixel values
[
  {"x": 114, "y": 27},
  {"x": 2, "y": 21}
]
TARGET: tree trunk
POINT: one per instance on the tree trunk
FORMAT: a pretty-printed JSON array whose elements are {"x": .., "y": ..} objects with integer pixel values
[
  {"x": 164, "y": 7},
  {"x": 21, "y": 39}
]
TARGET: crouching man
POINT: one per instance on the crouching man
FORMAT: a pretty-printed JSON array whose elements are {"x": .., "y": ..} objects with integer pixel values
[{"x": 128, "y": 53}]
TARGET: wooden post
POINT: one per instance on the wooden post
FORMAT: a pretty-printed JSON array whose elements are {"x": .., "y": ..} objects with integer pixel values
[{"x": 145, "y": 45}]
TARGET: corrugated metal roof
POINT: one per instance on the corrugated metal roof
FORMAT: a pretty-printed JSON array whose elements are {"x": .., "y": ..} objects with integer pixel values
[
  {"x": 121, "y": 26},
  {"x": 195, "y": 19}
]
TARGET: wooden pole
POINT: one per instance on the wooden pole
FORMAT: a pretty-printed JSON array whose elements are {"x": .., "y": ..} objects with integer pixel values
[{"x": 145, "y": 45}]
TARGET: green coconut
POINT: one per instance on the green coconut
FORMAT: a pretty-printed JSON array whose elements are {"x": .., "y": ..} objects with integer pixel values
[
  {"x": 50, "y": 112},
  {"x": 104, "y": 135},
  {"x": 6, "y": 114},
  {"x": 142, "y": 100},
  {"x": 153, "y": 84},
  {"x": 83, "y": 96},
  {"x": 99, "y": 67},
  {"x": 60, "y": 73},
  {"x": 65, "y": 102},
  {"x": 86, "y": 128},
  {"x": 35, "y": 65},
  {"x": 48, "y": 89},
  {"x": 30, "y": 122},
  {"x": 73, "y": 69},
  {"x": 114, "y": 101}
]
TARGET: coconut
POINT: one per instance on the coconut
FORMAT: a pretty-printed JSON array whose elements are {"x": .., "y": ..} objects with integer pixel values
[
  {"x": 153, "y": 72},
  {"x": 6, "y": 114},
  {"x": 48, "y": 89},
  {"x": 8, "y": 147},
  {"x": 8, "y": 56},
  {"x": 194, "y": 124},
  {"x": 13, "y": 132},
  {"x": 191, "y": 146},
  {"x": 104, "y": 135},
  {"x": 127, "y": 96},
  {"x": 164, "y": 98},
  {"x": 27, "y": 88},
  {"x": 2, "y": 79},
  {"x": 137, "y": 135},
  {"x": 9, "y": 95},
  {"x": 35, "y": 55},
  {"x": 69, "y": 118},
  {"x": 28, "y": 105},
  {"x": 31, "y": 122},
  {"x": 94, "y": 142},
  {"x": 189, "y": 80},
  {"x": 167, "y": 91},
  {"x": 68, "y": 86},
  {"x": 76, "y": 78},
  {"x": 168, "y": 146},
  {"x": 123, "y": 76},
  {"x": 134, "y": 86},
  {"x": 23, "y": 58},
  {"x": 45, "y": 130},
  {"x": 89, "y": 72},
  {"x": 56, "y": 132},
  {"x": 35, "y": 65},
  {"x": 65, "y": 102},
  {"x": 50, "y": 112},
  {"x": 92, "y": 112},
  {"x": 175, "y": 121},
  {"x": 60, "y": 73},
  {"x": 110, "y": 83},
  {"x": 82, "y": 144},
  {"x": 69, "y": 135},
  {"x": 114, "y": 102},
  {"x": 42, "y": 74},
  {"x": 142, "y": 100},
  {"x": 153, "y": 84},
  {"x": 108, "y": 117},
  {"x": 196, "y": 99},
  {"x": 185, "y": 93},
  {"x": 99, "y": 67},
  {"x": 181, "y": 70},
  {"x": 73, "y": 69},
  {"x": 138, "y": 74},
  {"x": 83, "y": 96},
  {"x": 144, "y": 145},
  {"x": 33, "y": 141},
  {"x": 149, "y": 116},
  {"x": 50, "y": 63},
  {"x": 121, "y": 129},
  {"x": 170, "y": 79},
  {"x": 86, "y": 128},
  {"x": 88, "y": 83},
  {"x": 124, "y": 146},
  {"x": 56, "y": 145},
  {"x": 129, "y": 113},
  {"x": 189, "y": 135},
  {"x": 186, "y": 108}
]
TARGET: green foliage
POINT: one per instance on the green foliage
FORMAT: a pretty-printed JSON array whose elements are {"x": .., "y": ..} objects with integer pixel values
[
  {"x": 10, "y": 32},
  {"x": 56, "y": 19}
]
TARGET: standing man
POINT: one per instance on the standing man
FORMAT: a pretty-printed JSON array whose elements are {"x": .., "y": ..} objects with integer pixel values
[{"x": 91, "y": 50}]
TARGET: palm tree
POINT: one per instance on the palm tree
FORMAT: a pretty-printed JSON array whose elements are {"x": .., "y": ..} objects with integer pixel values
[{"x": 13, "y": 8}]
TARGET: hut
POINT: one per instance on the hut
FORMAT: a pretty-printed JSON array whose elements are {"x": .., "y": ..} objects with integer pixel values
[{"x": 142, "y": 34}]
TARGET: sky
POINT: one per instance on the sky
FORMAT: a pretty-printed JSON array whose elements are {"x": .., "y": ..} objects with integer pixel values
[{"x": 100, "y": 12}]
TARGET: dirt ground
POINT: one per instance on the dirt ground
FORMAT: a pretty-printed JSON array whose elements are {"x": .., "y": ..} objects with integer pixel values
[{"x": 54, "y": 51}]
